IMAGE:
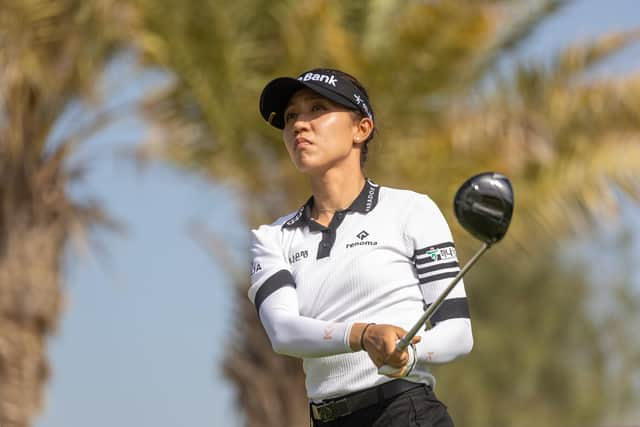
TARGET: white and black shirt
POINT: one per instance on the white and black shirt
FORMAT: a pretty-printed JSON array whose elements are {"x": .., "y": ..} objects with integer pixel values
[{"x": 382, "y": 260}]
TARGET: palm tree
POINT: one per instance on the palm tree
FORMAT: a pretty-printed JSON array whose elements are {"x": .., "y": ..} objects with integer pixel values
[
  {"x": 51, "y": 54},
  {"x": 444, "y": 114}
]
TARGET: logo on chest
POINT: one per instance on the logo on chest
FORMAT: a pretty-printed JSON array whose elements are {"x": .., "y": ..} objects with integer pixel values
[
  {"x": 362, "y": 240},
  {"x": 297, "y": 256}
]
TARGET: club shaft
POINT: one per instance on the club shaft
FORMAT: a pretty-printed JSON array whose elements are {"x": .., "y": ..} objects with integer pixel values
[{"x": 406, "y": 340}]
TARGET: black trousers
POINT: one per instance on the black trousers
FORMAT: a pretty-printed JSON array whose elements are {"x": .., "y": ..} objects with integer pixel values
[{"x": 418, "y": 407}]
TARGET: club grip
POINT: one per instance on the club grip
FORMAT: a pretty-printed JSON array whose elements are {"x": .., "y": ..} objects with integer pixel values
[
  {"x": 403, "y": 343},
  {"x": 388, "y": 370}
]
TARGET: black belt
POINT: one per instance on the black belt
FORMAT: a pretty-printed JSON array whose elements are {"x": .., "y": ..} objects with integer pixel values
[{"x": 331, "y": 409}]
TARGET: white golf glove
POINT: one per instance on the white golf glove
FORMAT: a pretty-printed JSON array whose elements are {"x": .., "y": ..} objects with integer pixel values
[{"x": 411, "y": 363}]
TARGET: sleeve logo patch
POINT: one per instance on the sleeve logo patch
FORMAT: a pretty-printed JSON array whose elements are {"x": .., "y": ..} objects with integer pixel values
[
  {"x": 328, "y": 332},
  {"x": 255, "y": 268},
  {"x": 441, "y": 253}
]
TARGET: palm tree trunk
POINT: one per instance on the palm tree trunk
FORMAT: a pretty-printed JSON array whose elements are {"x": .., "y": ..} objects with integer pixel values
[
  {"x": 30, "y": 302},
  {"x": 270, "y": 386}
]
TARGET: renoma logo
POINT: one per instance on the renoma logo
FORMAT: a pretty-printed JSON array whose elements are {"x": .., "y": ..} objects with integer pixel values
[
  {"x": 324, "y": 78},
  {"x": 362, "y": 236}
]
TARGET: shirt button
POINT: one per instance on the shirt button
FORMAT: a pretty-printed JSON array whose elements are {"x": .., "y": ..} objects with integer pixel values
[{"x": 325, "y": 245}]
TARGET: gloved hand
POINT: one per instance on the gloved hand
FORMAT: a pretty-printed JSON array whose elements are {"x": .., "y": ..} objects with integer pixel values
[{"x": 394, "y": 372}]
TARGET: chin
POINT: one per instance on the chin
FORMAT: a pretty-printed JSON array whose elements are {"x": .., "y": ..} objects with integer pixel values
[
  {"x": 304, "y": 168},
  {"x": 309, "y": 168},
  {"x": 304, "y": 163}
]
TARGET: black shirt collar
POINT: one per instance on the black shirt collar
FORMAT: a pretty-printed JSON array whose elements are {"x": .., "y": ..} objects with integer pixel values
[{"x": 364, "y": 203}]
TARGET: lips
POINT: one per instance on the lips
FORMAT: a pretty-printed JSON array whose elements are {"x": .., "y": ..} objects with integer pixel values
[{"x": 301, "y": 142}]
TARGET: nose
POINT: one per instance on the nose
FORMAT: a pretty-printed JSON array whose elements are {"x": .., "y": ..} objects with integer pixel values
[{"x": 300, "y": 124}]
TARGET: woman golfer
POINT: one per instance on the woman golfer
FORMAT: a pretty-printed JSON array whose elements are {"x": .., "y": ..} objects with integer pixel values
[{"x": 339, "y": 281}]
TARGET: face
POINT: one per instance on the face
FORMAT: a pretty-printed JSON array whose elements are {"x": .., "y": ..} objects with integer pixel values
[{"x": 319, "y": 134}]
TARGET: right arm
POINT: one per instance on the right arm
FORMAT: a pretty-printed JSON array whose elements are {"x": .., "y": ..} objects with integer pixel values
[
  {"x": 295, "y": 335},
  {"x": 273, "y": 291}
]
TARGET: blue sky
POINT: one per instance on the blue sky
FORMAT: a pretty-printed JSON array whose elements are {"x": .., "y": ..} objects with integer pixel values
[{"x": 149, "y": 313}]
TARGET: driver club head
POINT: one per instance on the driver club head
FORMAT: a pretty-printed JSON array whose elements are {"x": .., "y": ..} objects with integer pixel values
[{"x": 484, "y": 205}]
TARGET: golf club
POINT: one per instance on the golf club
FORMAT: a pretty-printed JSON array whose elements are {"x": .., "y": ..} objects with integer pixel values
[{"x": 483, "y": 206}]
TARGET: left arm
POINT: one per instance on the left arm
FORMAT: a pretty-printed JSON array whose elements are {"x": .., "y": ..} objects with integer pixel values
[{"x": 436, "y": 263}]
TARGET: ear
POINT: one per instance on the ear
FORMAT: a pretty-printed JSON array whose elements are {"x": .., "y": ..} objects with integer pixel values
[{"x": 363, "y": 130}]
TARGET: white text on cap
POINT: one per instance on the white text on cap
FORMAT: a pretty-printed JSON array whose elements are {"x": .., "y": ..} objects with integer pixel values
[{"x": 331, "y": 80}]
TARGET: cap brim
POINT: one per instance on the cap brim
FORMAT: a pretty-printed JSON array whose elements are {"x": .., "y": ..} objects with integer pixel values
[
  {"x": 277, "y": 93},
  {"x": 274, "y": 99}
]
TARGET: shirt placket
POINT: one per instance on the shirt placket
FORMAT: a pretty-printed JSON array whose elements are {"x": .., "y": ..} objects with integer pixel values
[{"x": 329, "y": 234}]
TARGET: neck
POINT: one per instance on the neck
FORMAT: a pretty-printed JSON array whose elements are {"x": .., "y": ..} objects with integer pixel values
[{"x": 335, "y": 191}]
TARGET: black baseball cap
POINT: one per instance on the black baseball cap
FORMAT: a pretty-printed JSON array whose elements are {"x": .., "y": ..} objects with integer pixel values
[{"x": 276, "y": 94}]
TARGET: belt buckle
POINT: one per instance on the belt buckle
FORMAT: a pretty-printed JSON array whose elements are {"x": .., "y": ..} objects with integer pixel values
[{"x": 330, "y": 411}]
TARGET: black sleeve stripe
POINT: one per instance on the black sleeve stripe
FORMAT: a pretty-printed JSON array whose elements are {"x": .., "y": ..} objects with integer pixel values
[
  {"x": 454, "y": 308},
  {"x": 429, "y": 248},
  {"x": 278, "y": 280},
  {"x": 429, "y": 279},
  {"x": 453, "y": 264}
]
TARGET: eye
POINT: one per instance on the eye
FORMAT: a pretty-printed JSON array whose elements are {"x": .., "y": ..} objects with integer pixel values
[
  {"x": 290, "y": 115},
  {"x": 318, "y": 107}
]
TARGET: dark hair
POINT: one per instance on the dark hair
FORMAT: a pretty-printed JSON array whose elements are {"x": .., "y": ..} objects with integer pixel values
[{"x": 365, "y": 145}]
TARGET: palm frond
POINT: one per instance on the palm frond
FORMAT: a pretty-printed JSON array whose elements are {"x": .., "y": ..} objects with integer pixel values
[
  {"x": 577, "y": 193},
  {"x": 577, "y": 60}
]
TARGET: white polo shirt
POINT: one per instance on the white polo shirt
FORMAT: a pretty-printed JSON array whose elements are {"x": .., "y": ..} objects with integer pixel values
[{"x": 382, "y": 260}]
